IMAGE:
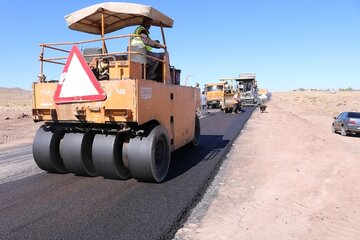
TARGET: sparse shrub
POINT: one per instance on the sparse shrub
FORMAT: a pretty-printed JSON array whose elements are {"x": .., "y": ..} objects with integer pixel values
[{"x": 346, "y": 89}]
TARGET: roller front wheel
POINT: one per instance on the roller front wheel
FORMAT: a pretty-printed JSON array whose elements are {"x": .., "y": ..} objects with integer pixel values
[
  {"x": 149, "y": 156},
  {"x": 46, "y": 151},
  {"x": 195, "y": 141}
]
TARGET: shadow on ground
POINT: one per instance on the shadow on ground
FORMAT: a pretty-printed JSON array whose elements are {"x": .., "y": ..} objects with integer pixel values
[{"x": 188, "y": 156}]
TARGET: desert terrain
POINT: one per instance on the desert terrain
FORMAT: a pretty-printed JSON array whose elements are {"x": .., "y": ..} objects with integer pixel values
[
  {"x": 16, "y": 124},
  {"x": 286, "y": 177}
]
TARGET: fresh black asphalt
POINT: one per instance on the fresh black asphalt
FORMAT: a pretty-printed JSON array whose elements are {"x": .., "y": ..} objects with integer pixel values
[{"x": 52, "y": 206}]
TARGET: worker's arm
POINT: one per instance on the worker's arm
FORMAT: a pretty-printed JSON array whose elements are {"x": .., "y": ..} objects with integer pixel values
[{"x": 151, "y": 42}]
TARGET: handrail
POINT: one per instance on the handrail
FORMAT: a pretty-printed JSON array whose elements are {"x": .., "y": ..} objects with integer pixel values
[
  {"x": 61, "y": 47},
  {"x": 87, "y": 41}
]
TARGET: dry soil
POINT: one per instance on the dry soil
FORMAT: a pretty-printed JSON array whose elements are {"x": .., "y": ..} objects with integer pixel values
[{"x": 287, "y": 176}]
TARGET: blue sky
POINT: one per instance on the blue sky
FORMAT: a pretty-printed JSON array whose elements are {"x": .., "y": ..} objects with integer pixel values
[{"x": 288, "y": 44}]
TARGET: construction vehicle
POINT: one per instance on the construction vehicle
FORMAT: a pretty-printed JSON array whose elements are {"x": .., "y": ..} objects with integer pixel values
[
  {"x": 249, "y": 89},
  {"x": 263, "y": 91},
  {"x": 231, "y": 86},
  {"x": 103, "y": 116},
  {"x": 214, "y": 94},
  {"x": 264, "y": 94}
]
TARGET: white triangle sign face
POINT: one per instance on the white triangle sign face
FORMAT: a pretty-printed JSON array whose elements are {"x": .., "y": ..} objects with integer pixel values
[{"x": 77, "y": 82}]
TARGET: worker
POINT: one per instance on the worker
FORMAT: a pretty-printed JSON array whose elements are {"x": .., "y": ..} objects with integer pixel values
[
  {"x": 227, "y": 88},
  {"x": 144, "y": 44},
  {"x": 203, "y": 103},
  {"x": 236, "y": 102}
]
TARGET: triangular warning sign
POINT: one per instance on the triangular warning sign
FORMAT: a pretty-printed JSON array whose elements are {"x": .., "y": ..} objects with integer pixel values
[{"x": 77, "y": 82}]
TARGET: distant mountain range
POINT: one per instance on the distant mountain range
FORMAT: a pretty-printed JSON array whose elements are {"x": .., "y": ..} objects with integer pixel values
[{"x": 7, "y": 94}]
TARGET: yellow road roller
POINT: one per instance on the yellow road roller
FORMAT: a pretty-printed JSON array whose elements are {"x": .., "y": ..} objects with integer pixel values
[{"x": 104, "y": 115}]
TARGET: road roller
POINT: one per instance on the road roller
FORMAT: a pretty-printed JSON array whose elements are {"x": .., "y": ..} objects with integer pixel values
[
  {"x": 231, "y": 85},
  {"x": 103, "y": 114}
]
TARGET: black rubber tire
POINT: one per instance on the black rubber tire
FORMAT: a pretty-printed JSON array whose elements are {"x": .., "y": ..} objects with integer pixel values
[
  {"x": 343, "y": 132},
  {"x": 195, "y": 141},
  {"x": 149, "y": 156},
  {"x": 75, "y": 150},
  {"x": 107, "y": 156},
  {"x": 45, "y": 150},
  {"x": 333, "y": 130}
]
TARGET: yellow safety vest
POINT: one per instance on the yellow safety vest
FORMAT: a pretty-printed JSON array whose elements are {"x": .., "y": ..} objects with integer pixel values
[{"x": 137, "y": 41}]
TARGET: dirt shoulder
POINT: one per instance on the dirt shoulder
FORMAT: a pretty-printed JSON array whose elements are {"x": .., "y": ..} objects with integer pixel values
[
  {"x": 16, "y": 124},
  {"x": 287, "y": 176}
]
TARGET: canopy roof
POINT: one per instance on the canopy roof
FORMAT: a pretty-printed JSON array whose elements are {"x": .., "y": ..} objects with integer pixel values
[{"x": 117, "y": 15}]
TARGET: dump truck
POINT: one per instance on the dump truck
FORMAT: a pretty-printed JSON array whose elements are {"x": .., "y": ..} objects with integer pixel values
[
  {"x": 249, "y": 89},
  {"x": 214, "y": 94},
  {"x": 103, "y": 116}
]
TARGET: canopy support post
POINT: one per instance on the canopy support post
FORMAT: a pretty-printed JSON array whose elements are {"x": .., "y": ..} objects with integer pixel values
[{"x": 104, "y": 50}]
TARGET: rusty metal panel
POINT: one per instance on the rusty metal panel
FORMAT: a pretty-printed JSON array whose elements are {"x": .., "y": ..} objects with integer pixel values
[
  {"x": 139, "y": 101},
  {"x": 122, "y": 70},
  {"x": 172, "y": 105},
  {"x": 184, "y": 115},
  {"x": 120, "y": 104},
  {"x": 43, "y": 95}
]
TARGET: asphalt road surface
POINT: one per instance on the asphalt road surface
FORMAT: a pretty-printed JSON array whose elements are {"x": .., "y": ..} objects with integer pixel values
[{"x": 53, "y": 206}]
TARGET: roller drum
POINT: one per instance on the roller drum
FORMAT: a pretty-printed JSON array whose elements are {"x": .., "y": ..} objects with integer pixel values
[
  {"x": 46, "y": 151},
  {"x": 107, "y": 156},
  {"x": 75, "y": 150}
]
